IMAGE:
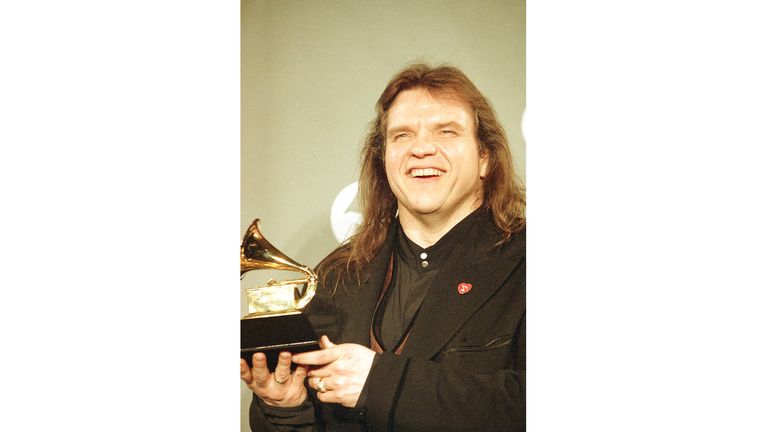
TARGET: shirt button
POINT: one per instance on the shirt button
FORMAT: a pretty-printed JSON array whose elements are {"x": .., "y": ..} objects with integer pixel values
[
  {"x": 423, "y": 255},
  {"x": 424, "y": 264}
]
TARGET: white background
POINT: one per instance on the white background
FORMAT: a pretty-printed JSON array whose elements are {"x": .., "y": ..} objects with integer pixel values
[{"x": 119, "y": 175}]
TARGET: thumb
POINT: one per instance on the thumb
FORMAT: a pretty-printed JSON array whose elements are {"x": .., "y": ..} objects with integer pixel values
[{"x": 326, "y": 343}]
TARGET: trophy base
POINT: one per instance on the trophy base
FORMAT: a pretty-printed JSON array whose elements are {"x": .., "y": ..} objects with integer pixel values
[{"x": 273, "y": 334}]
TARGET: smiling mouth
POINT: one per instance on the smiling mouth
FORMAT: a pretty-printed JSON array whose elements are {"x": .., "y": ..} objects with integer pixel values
[{"x": 426, "y": 172}]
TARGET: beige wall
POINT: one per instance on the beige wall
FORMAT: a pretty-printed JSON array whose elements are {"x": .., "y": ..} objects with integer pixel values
[{"x": 311, "y": 73}]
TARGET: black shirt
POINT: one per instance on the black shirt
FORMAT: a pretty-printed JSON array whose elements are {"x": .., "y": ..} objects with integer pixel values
[{"x": 414, "y": 269}]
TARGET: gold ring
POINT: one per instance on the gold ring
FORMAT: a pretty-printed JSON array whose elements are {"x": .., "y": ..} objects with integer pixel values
[
  {"x": 280, "y": 381},
  {"x": 321, "y": 386}
]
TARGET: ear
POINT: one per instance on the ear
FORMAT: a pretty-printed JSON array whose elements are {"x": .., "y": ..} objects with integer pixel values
[{"x": 484, "y": 162}]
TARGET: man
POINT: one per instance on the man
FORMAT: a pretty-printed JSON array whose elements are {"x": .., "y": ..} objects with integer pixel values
[{"x": 422, "y": 312}]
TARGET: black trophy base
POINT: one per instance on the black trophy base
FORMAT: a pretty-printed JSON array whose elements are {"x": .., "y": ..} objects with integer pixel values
[{"x": 274, "y": 334}]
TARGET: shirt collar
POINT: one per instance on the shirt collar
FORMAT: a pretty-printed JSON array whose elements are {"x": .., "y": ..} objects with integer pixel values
[{"x": 431, "y": 258}]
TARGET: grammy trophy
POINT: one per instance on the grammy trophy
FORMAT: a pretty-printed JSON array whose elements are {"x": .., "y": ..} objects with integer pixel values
[{"x": 274, "y": 322}]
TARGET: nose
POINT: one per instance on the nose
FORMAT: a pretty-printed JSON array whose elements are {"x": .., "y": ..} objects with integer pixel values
[{"x": 423, "y": 147}]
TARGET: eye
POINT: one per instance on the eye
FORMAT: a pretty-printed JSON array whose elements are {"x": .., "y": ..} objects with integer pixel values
[
  {"x": 448, "y": 132},
  {"x": 400, "y": 136}
]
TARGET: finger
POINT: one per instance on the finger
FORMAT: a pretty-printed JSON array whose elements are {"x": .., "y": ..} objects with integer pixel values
[
  {"x": 325, "y": 392},
  {"x": 325, "y": 342},
  {"x": 327, "y": 397},
  {"x": 316, "y": 358},
  {"x": 320, "y": 372},
  {"x": 299, "y": 375},
  {"x": 283, "y": 368},
  {"x": 314, "y": 382},
  {"x": 245, "y": 372},
  {"x": 260, "y": 371}
]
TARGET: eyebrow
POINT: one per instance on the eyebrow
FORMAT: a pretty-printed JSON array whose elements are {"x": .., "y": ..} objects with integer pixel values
[
  {"x": 397, "y": 128},
  {"x": 450, "y": 124}
]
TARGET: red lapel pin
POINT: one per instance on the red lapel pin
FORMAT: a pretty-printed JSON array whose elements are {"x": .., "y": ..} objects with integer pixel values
[{"x": 464, "y": 288}]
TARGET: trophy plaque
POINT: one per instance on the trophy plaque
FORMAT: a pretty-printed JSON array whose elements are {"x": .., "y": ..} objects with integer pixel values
[{"x": 274, "y": 322}]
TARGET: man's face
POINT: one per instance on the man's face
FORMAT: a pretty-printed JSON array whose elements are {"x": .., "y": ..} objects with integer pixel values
[{"x": 432, "y": 157}]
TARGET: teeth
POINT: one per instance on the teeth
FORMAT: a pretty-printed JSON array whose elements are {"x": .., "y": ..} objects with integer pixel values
[{"x": 424, "y": 172}]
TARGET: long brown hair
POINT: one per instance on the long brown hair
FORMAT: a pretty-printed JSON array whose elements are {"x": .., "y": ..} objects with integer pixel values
[{"x": 503, "y": 192}]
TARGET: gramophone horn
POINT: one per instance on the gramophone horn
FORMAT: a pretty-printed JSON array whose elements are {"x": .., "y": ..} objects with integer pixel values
[{"x": 256, "y": 253}]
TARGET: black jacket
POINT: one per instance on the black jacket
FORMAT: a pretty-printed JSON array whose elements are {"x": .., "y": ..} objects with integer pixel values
[{"x": 463, "y": 366}]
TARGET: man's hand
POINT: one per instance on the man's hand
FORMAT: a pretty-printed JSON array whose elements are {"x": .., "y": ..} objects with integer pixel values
[
  {"x": 342, "y": 369},
  {"x": 280, "y": 388}
]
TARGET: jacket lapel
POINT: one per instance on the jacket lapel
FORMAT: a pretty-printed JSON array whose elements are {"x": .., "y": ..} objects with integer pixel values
[{"x": 359, "y": 303}]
